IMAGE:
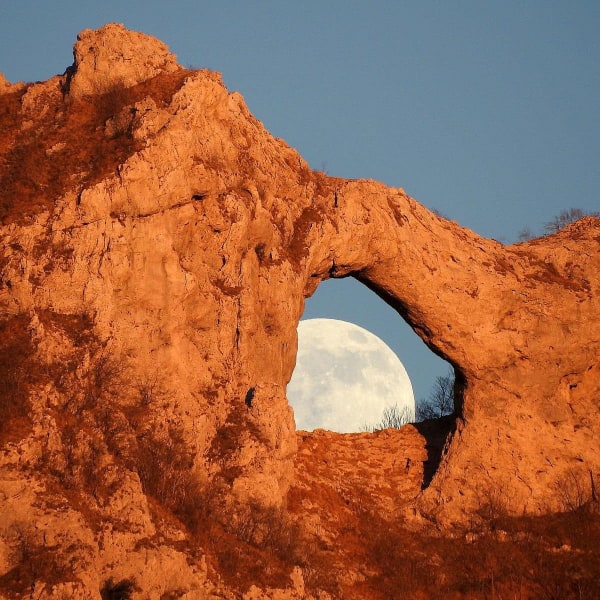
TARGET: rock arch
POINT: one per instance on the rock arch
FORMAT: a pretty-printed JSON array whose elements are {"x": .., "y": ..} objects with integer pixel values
[
  {"x": 194, "y": 257},
  {"x": 509, "y": 319}
]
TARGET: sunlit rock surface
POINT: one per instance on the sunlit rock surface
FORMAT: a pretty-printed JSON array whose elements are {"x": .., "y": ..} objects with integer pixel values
[{"x": 157, "y": 246}]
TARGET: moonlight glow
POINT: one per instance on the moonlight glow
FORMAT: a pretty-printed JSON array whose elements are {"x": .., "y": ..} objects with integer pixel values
[{"x": 345, "y": 377}]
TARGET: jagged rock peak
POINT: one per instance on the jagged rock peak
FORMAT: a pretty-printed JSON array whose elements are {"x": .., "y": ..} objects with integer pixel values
[{"x": 114, "y": 55}]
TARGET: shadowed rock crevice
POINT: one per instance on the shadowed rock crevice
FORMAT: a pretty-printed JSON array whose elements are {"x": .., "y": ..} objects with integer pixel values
[{"x": 436, "y": 433}]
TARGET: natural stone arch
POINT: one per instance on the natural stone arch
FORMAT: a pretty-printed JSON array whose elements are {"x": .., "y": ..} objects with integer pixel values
[
  {"x": 195, "y": 254},
  {"x": 496, "y": 314}
]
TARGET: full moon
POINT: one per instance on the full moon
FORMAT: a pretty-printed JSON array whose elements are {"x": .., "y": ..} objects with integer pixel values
[{"x": 345, "y": 377}]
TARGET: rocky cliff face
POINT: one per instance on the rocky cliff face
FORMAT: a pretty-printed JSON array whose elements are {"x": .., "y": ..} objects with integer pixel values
[{"x": 157, "y": 246}]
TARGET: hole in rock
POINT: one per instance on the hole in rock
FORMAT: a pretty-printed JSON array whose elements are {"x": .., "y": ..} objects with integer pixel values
[{"x": 348, "y": 380}]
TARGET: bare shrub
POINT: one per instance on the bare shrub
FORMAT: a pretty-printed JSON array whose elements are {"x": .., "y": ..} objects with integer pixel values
[
  {"x": 91, "y": 424},
  {"x": 162, "y": 466},
  {"x": 493, "y": 502},
  {"x": 16, "y": 373},
  {"x": 393, "y": 417},
  {"x": 148, "y": 393},
  {"x": 102, "y": 380},
  {"x": 400, "y": 571},
  {"x": 270, "y": 528},
  {"x": 33, "y": 562},
  {"x": 149, "y": 390},
  {"x": 440, "y": 401},
  {"x": 118, "y": 112},
  {"x": 525, "y": 235},
  {"x": 565, "y": 218},
  {"x": 166, "y": 473},
  {"x": 558, "y": 222},
  {"x": 576, "y": 491},
  {"x": 83, "y": 453},
  {"x": 387, "y": 557},
  {"x": 258, "y": 545}
]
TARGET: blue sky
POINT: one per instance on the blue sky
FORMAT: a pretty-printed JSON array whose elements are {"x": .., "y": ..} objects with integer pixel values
[{"x": 487, "y": 111}]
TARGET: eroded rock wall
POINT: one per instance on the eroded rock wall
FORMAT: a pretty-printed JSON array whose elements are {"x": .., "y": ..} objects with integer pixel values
[{"x": 156, "y": 294}]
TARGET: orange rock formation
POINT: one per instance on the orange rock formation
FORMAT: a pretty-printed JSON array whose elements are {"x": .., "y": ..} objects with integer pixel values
[{"x": 157, "y": 247}]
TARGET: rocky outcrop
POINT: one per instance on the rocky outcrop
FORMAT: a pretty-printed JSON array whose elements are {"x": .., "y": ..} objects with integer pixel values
[
  {"x": 156, "y": 250},
  {"x": 103, "y": 62}
]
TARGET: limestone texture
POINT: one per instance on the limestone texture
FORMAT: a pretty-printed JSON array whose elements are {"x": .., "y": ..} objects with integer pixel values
[{"x": 156, "y": 249}]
